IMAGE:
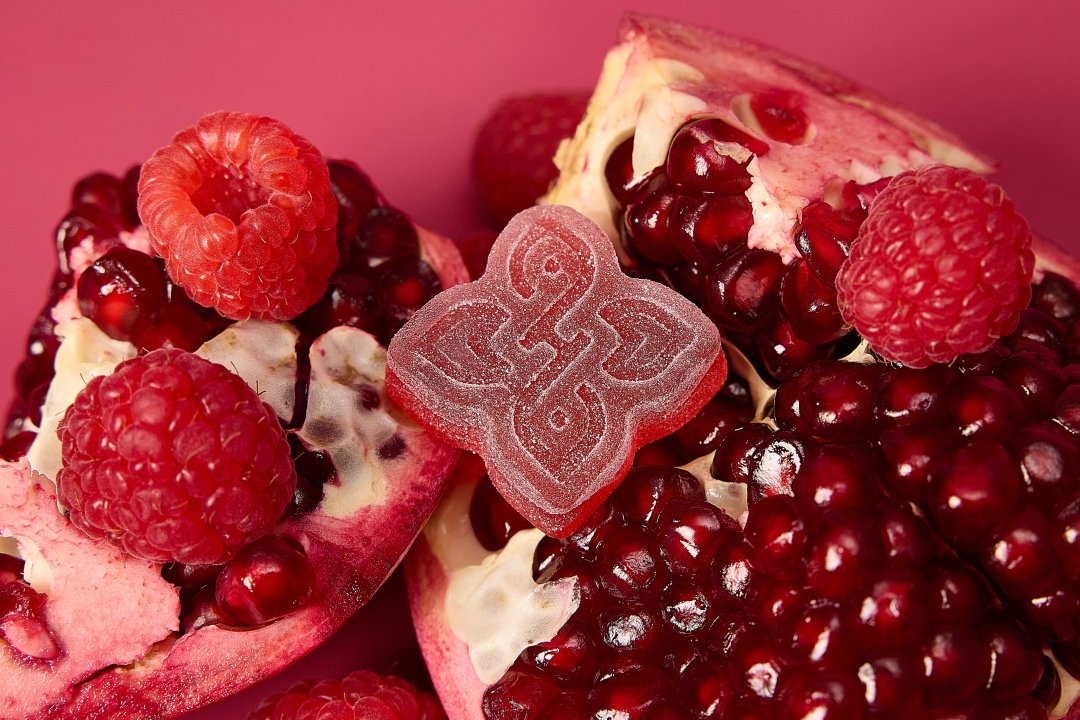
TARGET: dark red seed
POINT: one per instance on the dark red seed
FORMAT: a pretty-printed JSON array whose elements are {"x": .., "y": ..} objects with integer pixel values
[
  {"x": 909, "y": 452},
  {"x": 700, "y": 158},
  {"x": 957, "y": 665},
  {"x": 810, "y": 305},
  {"x": 891, "y": 610},
  {"x": 647, "y": 490},
  {"x": 619, "y": 171},
  {"x": 904, "y": 395},
  {"x": 175, "y": 326},
  {"x": 626, "y": 567},
  {"x": 1040, "y": 328},
  {"x": 775, "y": 465},
  {"x": 404, "y": 286},
  {"x": 781, "y": 115},
  {"x": 736, "y": 457},
  {"x": 101, "y": 189},
  {"x": 686, "y": 608},
  {"x": 383, "y": 234},
  {"x": 568, "y": 655},
  {"x": 349, "y": 300},
  {"x": 1017, "y": 660},
  {"x": 830, "y": 400},
  {"x": 1020, "y": 556},
  {"x": 1049, "y": 460},
  {"x": 983, "y": 407},
  {"x": 841, "y": 551},
  {"x": 705, "y": 691},
  {"x": 1057, "y": 296},
  {"x": 741, "y": 292},
  {"x": 776, "y": 534},
  {"x": 782, "y": 351},
  {"x": 1035, "y": 378},
  {"x": 972, "y": 489},
  {"x": 704, "y": 432},
  {"x": 629, "y": 695},
  {"x": 266, "y": 580},
  {"x": 689, "y": 532},
  {"x": 818, "y": 695},
  {"x": 824, "y": 240},
  {"x": 710, "y": 228},
  {"x": 646, "y": 224},
  {"x": 493, "y": 520},
  {"x": 630, "y": 629},
  {"x": 754, "y": 666},
  {"x": 120, "y": 291},
  {"x": 833, "y": 477},
  {"x": 518, "y": 695}
]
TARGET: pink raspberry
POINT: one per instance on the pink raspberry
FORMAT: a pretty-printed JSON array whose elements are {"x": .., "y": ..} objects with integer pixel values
[
  {"x": 361, "y": 695},
  {"x": 241, "y": 209},
  {"x": 941, "y": 267},
  {"x": 172, "y": 457}
]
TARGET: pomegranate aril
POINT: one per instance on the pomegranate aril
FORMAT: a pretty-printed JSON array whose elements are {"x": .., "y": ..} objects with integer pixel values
[
  {"x": 686, "y": 608},
  {"x": 689, "y": 533},
  {"x": 904, "y": 396},
  {"x": 356, "y": 197},
  {"x": 129, "y": 194},
  {"x": 736, "y": 457},
  {"x": 1057, "y": 296},
  {"x": 781, "y": 116},
  {"x": 909, "y": 452},
  {"x": 824, "y": 241},
  {"x": 493, "y": 520},
  {"x": 629, "y": 569},
  {"x": 647, "y": 489},
  {"x": 101, "y": 189},
  {"x": 702, "y": 157},
  {"x": 266, "y": 580},
  {"x": 1040, "y": 328},
  {"x": 708, "y": 229},
  {"x": 742, "y": 290},
  {"x": 629, "y": 695},
  {"x": 571, "y": 653},
  {"x": 11, "y": 568},
  {"x": 1049, "y": 459},
  {"x": 619, "y": 171},
  {"x": 1035, "y": 378},
  {"x": 703, "y": 433},
  {"x": 810, "y": 305},
  {"x": 782, "y": 351},
  {"x": 88, "y": 226},
  {"x": 174, "y": 325},
  {"x": 518, "y": 695},
  {"x": 646, "y": 224},
  {"x": 405, "y": 284},
  {"x": 704, "y": 691},
  {"x": 834, "y": 477},
  {"x": 631, "y": 629},
  {"x": 120, "y": 291},
  {"x": 972, "y": 488},
  {"x": 831, "y": 400},
  {"x": 383, "y": 234},
  {"x": 350, "y": 300},
  {"x": 776, "y": 534},
  {"x": 983, "y": 407}
]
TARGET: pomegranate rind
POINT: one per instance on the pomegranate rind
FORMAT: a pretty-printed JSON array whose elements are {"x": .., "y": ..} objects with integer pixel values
[
  {"x": 554, "y": 328},
  {"x": 662, "y": 74},
  {"x": 352, "y": 557},
  {"x": 90, "y": 585}
]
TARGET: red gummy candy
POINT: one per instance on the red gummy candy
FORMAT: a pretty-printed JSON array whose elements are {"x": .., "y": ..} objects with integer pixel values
[{"x": 555, "y": 367}]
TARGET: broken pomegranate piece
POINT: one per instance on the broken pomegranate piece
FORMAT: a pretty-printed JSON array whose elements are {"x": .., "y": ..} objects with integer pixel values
[
  {"x": 88, "y": 631},
  {"x": 555, "y": 367}
]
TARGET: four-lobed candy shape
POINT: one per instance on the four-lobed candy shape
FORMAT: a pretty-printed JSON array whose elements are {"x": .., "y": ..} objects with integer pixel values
[{"x": 554, "y": 366}]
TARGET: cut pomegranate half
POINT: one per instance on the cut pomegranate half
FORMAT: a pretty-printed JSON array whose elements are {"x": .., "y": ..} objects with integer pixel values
[
  {"x": 880, "y": 541},
  {"x": 91, "y": 633}
]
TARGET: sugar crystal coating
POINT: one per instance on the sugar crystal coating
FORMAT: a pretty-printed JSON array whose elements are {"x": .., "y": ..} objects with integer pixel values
[{"x": 554, "y": 366}]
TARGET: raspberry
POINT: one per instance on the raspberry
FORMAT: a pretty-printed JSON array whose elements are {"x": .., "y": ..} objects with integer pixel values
[
  {"x": 241, "y": 209},
  {"x": 174, "y": 458},
  {"x": 941, "y": 267},
  {"x": 362, "y": 695},
  {"x": 512, "y": 157}
]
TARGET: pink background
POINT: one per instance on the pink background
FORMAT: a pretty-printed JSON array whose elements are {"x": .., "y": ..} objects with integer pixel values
[{"x": 400, "y": 87}]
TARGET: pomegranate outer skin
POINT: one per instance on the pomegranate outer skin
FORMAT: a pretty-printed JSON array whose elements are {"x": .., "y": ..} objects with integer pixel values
[
  {"x": 213, "y": 663},
  {"x": 445, "y": 654}
]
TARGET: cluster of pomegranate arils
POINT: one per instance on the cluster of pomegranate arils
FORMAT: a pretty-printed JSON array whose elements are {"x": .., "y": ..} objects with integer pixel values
[
  {"x": 912, "y": 539},
  {"x": 688, "y": 221},
  {"x": 380, "y": 281}
]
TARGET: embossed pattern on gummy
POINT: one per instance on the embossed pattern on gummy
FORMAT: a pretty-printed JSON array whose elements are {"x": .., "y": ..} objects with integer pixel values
[{"x": 555, "y": 367}]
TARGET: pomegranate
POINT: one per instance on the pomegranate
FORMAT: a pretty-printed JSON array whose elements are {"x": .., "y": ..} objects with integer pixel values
[
  {"x": 92, "y": 632},
  {"x": 865, "y": 538}
]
